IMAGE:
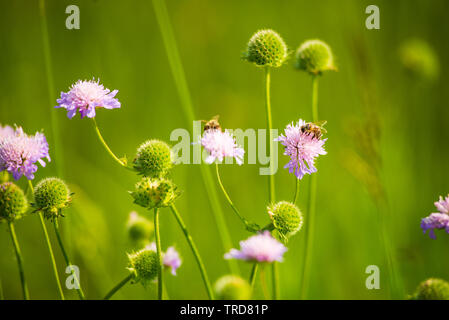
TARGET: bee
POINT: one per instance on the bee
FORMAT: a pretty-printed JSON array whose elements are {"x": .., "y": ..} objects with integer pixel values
[
  {"x": 212, "y": 124},
  {"x": 316, "y": 129}
]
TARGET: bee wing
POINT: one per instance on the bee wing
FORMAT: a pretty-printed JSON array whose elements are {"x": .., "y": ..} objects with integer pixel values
[{"x": 320, "y": 123}]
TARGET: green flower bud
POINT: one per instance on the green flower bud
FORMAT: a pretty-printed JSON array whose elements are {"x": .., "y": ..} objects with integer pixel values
[
  {"x": 13, "y": 203},
  {"x": 419, "y": 59},
  {"x": 155, "y": 193},
  {"x": 140, "y": 229},
  {"x": 154, "y": 159},
  {"x": 432, "y": 289},
  {"x": 51, "y": 195},
  {"x": 144, "y": 265},
  {"x": 286, "y": 217},
  {"x": 266, "y": 48},
  {"x": 314, "y": 57},
  {"x": 232, "y": 287}
]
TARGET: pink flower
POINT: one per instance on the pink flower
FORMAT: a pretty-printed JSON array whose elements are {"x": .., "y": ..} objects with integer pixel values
[
  {"x": 302, "y": 147},
  {"x": 259, "y": 248},
  {"x": 443, "y": 205},
  {"x": 438, "y": 220},
  {"x": 170, "y": 259},
  {"x": 220, "y": 145}
]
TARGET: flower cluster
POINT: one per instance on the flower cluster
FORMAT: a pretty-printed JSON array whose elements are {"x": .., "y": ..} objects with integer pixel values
[
  {"x": 85, "y": 97},
  {"x": 221, "y": 144},
  {"x": 19, "y": 152},
  {"x": 302, "y": 146},
  {"x": 438, "y": 220}
]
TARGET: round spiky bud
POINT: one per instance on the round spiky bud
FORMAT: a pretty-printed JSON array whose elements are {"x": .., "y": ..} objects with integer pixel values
[
  {"x": 266, "y": 48},
  {"x": 286, "y": 217},
  {"x": 154, "y": 159},
  {"x": 144, "y": 265},
  {"x": 51, "y": 195},
  {"x": 155, "y": 193},
  {"x": 232, "y": 287},
  {"x": 140, "y": 229},
  {"x": 432, "y": 289},
  {"x": 419, "y": 59},
  {"x": 13, "y": 203},
  {"x": 314, "y": 57}
]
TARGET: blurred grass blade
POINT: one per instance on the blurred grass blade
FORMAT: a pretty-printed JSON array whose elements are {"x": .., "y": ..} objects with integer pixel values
[{"x": 186, "y": 102}]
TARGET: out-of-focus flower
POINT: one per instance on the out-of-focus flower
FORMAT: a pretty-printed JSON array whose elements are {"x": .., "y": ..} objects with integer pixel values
[
  {"x": 6, "y": 131},
  {"x": 419, "y": 59},
  {"x": 302, "y": 146},
  {"x": 170, "y": 259},
  {"x": 438, "y": 220},
  {"x": 432, "y": 289},
  {"x": 140, "y": 229},
  {"x": 20, "y": 152},
  {"x": 13, "y": 202},
  {"x": 85, "y": 97},
  {"x": 259, "y": 248},
  {"x": 220, "y": 145}
]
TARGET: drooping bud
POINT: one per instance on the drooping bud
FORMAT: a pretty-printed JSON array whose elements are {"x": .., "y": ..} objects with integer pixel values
[
  {"x": 432, "y": 289},
  {"x": 314, "y": 57},
  {"x": 13, "y": 203},
  {"x": 51, "y": 195},
  {"x": 286, "y": 217},
  {"x": 154, "y": 159},
  {"x": 144, "y": 265},
  {"x": 266, "y": 48},
  {"x": 140, "y": 229},
  {"x": 232, "y": 287},
  {"x": 155, "y": 193}
]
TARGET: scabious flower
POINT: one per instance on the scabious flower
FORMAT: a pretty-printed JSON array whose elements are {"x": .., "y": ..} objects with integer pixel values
[
  {"x": 20, "y": 152},
  {"x": 221, "y": 144},
  {"x": 302, "y": 146},
  {"x": 5, "y": 131},
  {"x": 85, "y": 97},
  {"x": 259, "y": 248},
  {"x": 438, "y": 220},
  {"x": 170, "y": 259}
]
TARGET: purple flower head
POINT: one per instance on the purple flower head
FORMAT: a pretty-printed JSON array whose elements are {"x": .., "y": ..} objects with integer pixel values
[
  {"x": 443, "y": 205},
  {"x": 170, "y": 258},
  {"x": 20, "y": 152},
  {"x": 435, "y": 221},
  {"x": 85, "y": 97},
  {"x": 220, "y": 145},
  {"x": 302, "y": 147},
  {"x": 5, "y": 131},
  {"x": 259, "y": 248}
]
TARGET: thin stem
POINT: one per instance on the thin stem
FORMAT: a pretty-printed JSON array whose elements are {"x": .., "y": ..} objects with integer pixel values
[
  {"x": 252, "y": 276},
  {"x": 271, "y": 189},
  {"x": 2, "y": 296},
  {"x": 67, "y": 260},
  {"x": 51, "y": 89},
  {"x": 194, "y": 251},
  {"x": 245, "y": 222},
  {"x": 159, "y": 254},
  {"x": 49, "y": 246},
  {"x": 105, "y": 145},
  {"x": 311, "y": 204},
  {"x": 118, "y": 287},
  {"x": 275, "y": 275},
  {"x": 295, "y": 197},
  {"x": 264, "y": 283},
  {"x": 179, "y": 77},
  {"x": 12, "y": 231}
]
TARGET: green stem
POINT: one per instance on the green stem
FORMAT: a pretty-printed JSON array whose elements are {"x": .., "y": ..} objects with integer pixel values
[
  {"x": 275, "y": 276},
  {"x": 252, "y": 276},
  {"x": 12, "y": 231},
  {"x": 245, "y": 222},
  {"x": 311, "y": 204},
  {"x": 118, "y": 287},
  {"x": 56, "y": 146},
  {"x": 178, "y": 74},
  {"x": 67, "y": 260},
  {"x": 264, "y": 283},
  {"x": 2, "y": 296},
  {"x": 194, "y": 251},
  {"x": 271, "y": 189},
  {"x": 105, "y": 145},
  {"x": 295, "y": 197},
  {"x": 49, "y": 246},
  {"x": 159, "y": 254}
]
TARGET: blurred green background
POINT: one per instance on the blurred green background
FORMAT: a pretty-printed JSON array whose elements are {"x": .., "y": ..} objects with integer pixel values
[{"x": 389, "y": 123}]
